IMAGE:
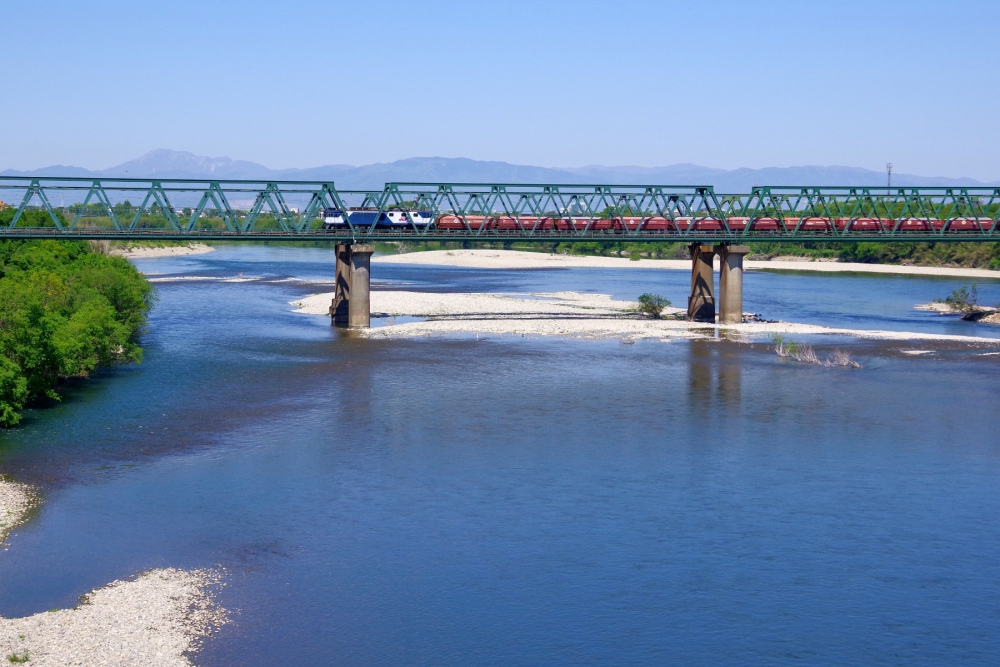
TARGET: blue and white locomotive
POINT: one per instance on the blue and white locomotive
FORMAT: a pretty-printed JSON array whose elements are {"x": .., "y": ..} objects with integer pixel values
[{"x": 367, "y": 216}]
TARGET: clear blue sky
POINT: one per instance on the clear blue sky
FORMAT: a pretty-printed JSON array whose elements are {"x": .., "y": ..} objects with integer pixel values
[{"x": 300, "y": 83}]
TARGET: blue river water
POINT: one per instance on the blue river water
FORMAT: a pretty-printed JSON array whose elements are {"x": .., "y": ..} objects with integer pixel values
[{"x": 530, "y": 501}]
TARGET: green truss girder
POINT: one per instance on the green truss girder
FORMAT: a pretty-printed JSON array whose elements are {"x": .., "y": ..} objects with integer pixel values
[
  {"x": 267, "y": 210},
  {"x": 158, "y": 196},
  {"x": 517, "y": 202},
  {"x": 96, "y": 191},
  {"x": 33, "y": 190}
]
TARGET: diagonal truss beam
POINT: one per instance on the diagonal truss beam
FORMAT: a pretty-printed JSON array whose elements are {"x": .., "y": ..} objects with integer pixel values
[{"x": 179, "y": 208}]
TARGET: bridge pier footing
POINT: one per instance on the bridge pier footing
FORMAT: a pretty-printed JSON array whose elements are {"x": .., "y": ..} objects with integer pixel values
[
  {"x": 731, "y": 282},
  {"x": 351, "y": 306},
  {"x": 701, "y": 303}
]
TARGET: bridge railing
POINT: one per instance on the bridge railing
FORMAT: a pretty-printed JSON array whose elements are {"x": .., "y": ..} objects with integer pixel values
[{"x": 58, "y": 207}]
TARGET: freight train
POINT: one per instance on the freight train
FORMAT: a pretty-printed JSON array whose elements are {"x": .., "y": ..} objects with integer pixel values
[{"x": 403, "y": 219}]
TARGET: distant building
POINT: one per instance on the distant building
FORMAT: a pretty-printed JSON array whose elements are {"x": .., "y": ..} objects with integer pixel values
[{"x": 3, "y": 205}]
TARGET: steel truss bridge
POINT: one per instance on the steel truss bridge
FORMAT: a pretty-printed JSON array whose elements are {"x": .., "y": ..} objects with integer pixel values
[{"x": 185, "y": 209}]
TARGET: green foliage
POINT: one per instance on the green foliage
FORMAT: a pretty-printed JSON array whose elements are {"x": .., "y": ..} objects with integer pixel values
[
  {"x": 785, "y": 347},
  {"x": 30, "y": 218},
  {"x": 13, "y": 391},
  {"x": 652, "y": 305},
  {"x": 586, "y": 248},
  {"x": 971, "y": 255},
  {"x": 64, "y": 311},
  {"x": 964, "y": 299}
]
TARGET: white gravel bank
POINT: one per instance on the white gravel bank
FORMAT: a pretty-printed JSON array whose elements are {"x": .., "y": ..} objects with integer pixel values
[
  {"x": 140, "y": 252},
  {"x": 638, "y": 328},
  {"x": 389, "y": 303},
  {"x": 569, "y": 314},
  {"x": 150, "y": 621},
  {"x": 15, "y": 501},
  {"x": 516, "y": 259}
]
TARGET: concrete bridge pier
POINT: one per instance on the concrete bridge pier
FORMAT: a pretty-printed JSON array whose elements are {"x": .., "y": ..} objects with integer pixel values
[
  {"x": 731, "y": 282},
  {"x": 701, "y": 303},
  {"x": 342, "y": 290},
  {"x": 351, "y": 305}
]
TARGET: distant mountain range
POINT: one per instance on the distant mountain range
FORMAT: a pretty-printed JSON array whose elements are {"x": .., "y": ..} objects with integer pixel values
[{"x": 164, "y": 163}]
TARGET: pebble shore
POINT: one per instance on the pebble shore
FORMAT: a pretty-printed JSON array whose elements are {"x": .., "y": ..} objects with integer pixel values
[
  {"x": 144, "y": 252},
  {"x": 572, "y": 315},
  {"x": 518, "y": 259},
  {"x": 15, "y": 501},
  {"x": 154, "y": 620}
]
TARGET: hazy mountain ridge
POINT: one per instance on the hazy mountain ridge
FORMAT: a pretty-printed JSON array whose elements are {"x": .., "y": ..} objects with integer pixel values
[{"x": 163, "y": 163}]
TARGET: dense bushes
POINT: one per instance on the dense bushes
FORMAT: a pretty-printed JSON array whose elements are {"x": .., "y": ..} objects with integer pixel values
[
  {"x": 652, "y": 305},
  {"x": 64, "y": 311},
  {"x": 972, "y": 255},
  {"x": 32, "y": 218}
]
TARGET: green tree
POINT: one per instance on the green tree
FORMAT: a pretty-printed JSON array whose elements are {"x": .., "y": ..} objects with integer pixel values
[
  {"x": 64, "y": 311},
  {"x": 964, "y": 299}
]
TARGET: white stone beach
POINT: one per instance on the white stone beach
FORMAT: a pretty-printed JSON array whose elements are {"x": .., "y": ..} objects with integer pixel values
[
  {"x": 516, "y": 259},
  {"x": 149, "y": 252},
  {"x": 154, "y": 620},
  {"x": 572, "y": 315},
  {"x": 15, "y": 501}
]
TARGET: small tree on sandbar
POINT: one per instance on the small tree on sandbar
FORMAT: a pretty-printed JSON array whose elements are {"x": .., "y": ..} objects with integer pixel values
[
  {"x": 964, "y": 300},
  {"x": 652, "y": 305}
]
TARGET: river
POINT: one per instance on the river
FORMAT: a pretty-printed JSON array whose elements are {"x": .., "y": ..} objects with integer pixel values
[{"x": 529, "y": 501}]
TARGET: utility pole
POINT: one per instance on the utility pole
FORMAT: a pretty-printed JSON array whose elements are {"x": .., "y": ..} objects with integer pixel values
[{"x": 888, "y": 171}]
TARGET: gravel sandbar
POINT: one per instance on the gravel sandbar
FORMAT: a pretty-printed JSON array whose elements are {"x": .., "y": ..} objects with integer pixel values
[
  {"x": 15, "y": 501},
  {"x": 517, "y": 259},
  {"x": 570, "y": 314},
  {"x": 141, "y": 252},
  {"x": 390, "y": 303},
  {"x": 153, "y": 620}
]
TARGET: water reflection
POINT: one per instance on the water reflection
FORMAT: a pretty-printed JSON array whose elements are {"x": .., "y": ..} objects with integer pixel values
[
  {"x": 714, "y": 377},
  {"x": 523, "y": 502},
  {"x": 729, "y": 366}
]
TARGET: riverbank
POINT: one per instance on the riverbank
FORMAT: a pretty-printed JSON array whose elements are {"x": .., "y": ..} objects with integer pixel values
[
  {"x": 572, "y": 315},
  {"x": 985, "y": 314},
  {"x": 154, "y": 620},
  {"x": 516, "y": 259},
  {"x": 15, "y": 501},
  {"x": 149, "y": 252}
]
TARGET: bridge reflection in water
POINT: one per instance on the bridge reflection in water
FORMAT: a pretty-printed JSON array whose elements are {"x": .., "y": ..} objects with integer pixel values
[{"x": 714, "y": 379}]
